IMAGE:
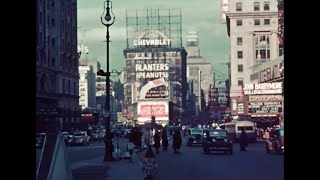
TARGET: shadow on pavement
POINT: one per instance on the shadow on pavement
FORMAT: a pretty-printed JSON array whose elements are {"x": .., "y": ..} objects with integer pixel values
[{"x": 94, "y": 172}]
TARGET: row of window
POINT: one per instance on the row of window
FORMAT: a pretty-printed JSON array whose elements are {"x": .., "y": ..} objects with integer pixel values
[
  {"x": 256, "y": 6},
  {"x": 261, "y": 47},
  {"x": 256, "y": 22}
]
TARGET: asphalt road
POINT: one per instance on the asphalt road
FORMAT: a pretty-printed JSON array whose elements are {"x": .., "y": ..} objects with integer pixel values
[
  {"x": 80, "y": 153},
  {"x": 193, "y": 164}
]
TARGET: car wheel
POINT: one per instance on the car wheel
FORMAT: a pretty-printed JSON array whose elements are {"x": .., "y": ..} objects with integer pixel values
[{"x": 267, "y": 148}]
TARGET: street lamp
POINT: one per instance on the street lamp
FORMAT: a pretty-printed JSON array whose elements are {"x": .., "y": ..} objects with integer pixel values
[{"x": 107, "y": 19}]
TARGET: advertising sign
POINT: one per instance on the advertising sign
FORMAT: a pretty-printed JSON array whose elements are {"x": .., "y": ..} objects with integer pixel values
[
  {"x": 159, "y": 109},
  {"x": 265, "y": 107},
  {"x": 265, "y": 98},
  {"x": 263, "y": 88}
]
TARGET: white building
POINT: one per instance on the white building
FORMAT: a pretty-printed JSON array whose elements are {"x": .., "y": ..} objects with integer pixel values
[
  {"x": 87, "y": 87},
  {"x": 198, "y": 69},
  {"x": 252, "y": 26}
]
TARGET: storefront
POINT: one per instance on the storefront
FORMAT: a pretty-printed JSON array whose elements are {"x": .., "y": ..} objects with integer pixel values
[{"x": 261, "y": 103}]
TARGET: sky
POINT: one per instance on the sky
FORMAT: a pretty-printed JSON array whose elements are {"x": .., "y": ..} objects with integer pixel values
[{"x": 202, "y": 16}]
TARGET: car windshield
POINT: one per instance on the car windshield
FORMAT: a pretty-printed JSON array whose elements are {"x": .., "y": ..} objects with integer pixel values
[
  {"x": 214, "y": 133},
  {"x": 196, "y": 131}
]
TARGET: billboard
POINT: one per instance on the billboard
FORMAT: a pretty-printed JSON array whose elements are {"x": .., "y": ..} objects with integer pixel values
[
  {"x": 152, "y": 78},
  {"x": 159, "y": 109}
]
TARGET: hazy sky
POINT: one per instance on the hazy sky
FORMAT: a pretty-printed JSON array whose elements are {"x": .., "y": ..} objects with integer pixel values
[{"x": 202, "y": 16}]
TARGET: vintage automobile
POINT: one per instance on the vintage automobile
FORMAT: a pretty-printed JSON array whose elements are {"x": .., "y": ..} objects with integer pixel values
[
  {"x": 276, "y": 142},
  {"x": 217, "y": 141},
  {"x": 80, "y": 137},
  {"x": 194, "y": 136}
]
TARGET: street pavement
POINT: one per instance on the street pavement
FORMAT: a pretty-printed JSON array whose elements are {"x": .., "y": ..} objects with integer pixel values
[
  {"x": 87, "y": 163},
  {"x": 191, "y": 163}
]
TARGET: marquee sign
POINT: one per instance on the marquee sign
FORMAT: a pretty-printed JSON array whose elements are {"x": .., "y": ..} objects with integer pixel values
[{"x": 263, "y": 88}]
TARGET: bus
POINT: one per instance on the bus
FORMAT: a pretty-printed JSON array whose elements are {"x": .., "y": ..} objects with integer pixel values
[{"x": 234, "y": 130}]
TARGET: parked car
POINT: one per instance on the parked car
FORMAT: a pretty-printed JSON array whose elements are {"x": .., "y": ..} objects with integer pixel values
[
  {"x": 95, "y": 135},
  {"x": 194, "y": 136},
  {"x": 80, "y": 137},
  {"x": 276, "y": 142},
  {"x": 40, "y": 137},
  {"x": 217, "y": 141}
]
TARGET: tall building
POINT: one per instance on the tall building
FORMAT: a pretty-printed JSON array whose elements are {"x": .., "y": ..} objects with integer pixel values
[
  {"x": 94, "y": 63},
  {"x": 253, "y": 29},
  {"x": 87, "y": 87},
  {"x": 198, "y": 69},
  {"x": 57, "y": 76},
  {"x": 155, "y": 66}
]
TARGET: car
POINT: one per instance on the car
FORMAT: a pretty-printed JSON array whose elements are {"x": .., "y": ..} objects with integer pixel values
[
  {"x": 217, "y": 141},
  {"x": 194, "y": 136},
  {"x": 80, "y": 137},
  {"x": 276, "y": 142},
  {"x": 40, "y": 137}
]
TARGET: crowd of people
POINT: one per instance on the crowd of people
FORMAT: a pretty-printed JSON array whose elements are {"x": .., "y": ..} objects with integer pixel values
[{"x": 155, "y": 137}]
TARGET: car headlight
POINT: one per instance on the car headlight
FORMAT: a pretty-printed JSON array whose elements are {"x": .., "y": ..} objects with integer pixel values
[{"x": 282, "y": 147}]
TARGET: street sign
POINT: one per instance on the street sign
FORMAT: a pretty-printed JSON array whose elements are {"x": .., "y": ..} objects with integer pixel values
[{"x": 150, "y": 166}]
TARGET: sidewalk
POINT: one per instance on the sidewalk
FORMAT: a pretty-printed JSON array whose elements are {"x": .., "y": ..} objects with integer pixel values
[{"x": 95, "y": 169}]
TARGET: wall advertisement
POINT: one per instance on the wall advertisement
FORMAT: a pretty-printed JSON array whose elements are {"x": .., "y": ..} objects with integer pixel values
[{"x": 147, "y": 109}]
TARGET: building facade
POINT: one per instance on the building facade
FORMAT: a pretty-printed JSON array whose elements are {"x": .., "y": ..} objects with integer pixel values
[
  {"x": 87, "y": 87},
  {"x": 253, "y": 29},
  {"x": 57, "y": 76},
  {"x": 155, "y": 66},
  {"x": 198, "y": 69}
]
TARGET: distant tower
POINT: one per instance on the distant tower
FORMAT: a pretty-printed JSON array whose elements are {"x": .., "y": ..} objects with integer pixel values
[{"x": 193, "y": 44}]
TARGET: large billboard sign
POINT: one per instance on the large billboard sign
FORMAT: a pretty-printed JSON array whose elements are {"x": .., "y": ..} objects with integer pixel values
[
  {"x": 147, "y": 109},
  {"x": 263, "y": 88}
]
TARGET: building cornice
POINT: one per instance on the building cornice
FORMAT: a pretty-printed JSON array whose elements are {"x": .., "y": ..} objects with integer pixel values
[{"x": 251, "y": 14}]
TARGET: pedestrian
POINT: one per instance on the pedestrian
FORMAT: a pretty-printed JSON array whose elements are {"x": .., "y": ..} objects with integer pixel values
[
  {"x": 243, "y": 140},
  {"x": 177, "y": 140},
  {"x": 157, "y": 141},
  {"x": 164, "y": 138}
]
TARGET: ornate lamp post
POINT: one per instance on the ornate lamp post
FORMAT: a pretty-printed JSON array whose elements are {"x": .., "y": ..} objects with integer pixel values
[{"x": 107, "y": 19}]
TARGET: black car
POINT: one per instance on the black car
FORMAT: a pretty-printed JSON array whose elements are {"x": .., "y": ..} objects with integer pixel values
[
  {"x": 194, "y": 136},
  {"x": 217, "y": 141}
]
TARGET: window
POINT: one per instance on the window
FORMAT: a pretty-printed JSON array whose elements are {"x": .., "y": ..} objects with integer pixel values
[
  {"x": 63, "y": 86},
  {"x": 40, "y": 17},
  {"x": 239, "y": 22},
  {"x": 53, "y": 61},
  {"x": 262, "y": 48},
  {"x": 53, "y": 22},
  {"x": 53, "y": 41},
  {"x": 238, "y": 6},
  {"x": 266, "y": 21},
  {"x": 240, "y": 81},
  {"x": 240, "y": 55},
  {"x": 240, "y": 68},
  {"x": 239, "y": 41},
  {"x": 256, "y": 6},
  {"x": 257, "y": 22},
  {"x": 74, "y": 88},
  {"x": 266, "y": 6}
]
